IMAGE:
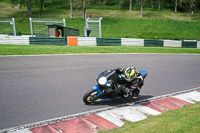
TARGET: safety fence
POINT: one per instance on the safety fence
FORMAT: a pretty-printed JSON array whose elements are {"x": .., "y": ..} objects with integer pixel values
[
  {"x": 38, "y": 26},
  {"x": 93, "y": 41},
  {"x": 94, "y": 25},
  {"x": 7, "y": 26}
]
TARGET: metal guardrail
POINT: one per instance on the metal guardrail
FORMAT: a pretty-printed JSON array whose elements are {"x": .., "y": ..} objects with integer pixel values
[
  {"x": 43, "y": 21},
  {"x": 94, "y": 20},
  {"x": 12, "y": 22}
]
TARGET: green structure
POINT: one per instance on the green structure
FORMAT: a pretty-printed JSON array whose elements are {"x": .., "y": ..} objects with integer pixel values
[
  {"x": 57, "y": 35},
  {"x": 64, "y": 31},
  {"x": 108, "y": 41},
  {"x": 153, "y": 43},
  {"x": 189, "y": 44}
]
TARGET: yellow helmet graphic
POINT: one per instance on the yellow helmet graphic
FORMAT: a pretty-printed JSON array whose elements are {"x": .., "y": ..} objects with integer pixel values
[{"x": 130, "y": 73}]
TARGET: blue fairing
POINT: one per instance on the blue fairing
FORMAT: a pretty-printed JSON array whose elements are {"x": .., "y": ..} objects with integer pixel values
[
  {"x": 143, "y": 72},
  {"x": 98, "y": 89}
]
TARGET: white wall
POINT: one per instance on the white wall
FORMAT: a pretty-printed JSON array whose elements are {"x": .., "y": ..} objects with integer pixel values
[
  {"x": 172, "y": 43},
  {"x": 132, "y": 42},
  {"x": 87, "y": 41},
  {"x": 198, "y": 44},
  {"x": 20, "y": 40}
]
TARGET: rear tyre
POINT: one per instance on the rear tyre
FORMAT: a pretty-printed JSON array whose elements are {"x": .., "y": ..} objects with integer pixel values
[{"x": 89, "y": 97}]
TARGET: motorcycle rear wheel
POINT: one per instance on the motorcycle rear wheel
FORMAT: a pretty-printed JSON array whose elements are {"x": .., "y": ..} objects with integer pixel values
[{"x": 89, "y": 97}]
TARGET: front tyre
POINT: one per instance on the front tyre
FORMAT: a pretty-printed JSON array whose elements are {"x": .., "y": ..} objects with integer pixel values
[{"x": 89, "y": 97}]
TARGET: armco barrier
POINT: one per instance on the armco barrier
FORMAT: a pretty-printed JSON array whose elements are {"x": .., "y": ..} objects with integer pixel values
[
  {"x": 47, "y": 41},
  {"x": 19, "y": 40},
  {"x": 108, "y": 41},
  {"x": 87, "y": 41},
  {"x": 198, "y": 44},
  {"x": 93, "y": 41},
  {"x": 189, "y": 44},
  {"x": 172, "y": 43},
  {"x": 132, "y": 42},
  {"x": 153, "y": 43}
]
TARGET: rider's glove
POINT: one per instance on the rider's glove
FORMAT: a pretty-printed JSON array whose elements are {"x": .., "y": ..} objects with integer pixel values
[{"x": 119, "y": 70}]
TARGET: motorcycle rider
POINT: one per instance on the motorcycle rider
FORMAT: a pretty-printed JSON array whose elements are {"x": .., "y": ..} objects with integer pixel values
[{"x": 132, "y": 80}]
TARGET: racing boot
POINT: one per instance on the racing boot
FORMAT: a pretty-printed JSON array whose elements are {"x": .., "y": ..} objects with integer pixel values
[
  {"x": 136, "y": 93},
  {"x": 126, "y": 92}
]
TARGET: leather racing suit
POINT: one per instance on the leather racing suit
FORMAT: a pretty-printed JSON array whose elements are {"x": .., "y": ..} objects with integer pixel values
[{"x": 135, "y": 85}]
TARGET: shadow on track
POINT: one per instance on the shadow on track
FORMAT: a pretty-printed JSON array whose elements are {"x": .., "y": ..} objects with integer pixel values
[{"x": 118, "y": 101}]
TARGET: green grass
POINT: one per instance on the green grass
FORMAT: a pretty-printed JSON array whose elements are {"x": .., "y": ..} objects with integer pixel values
[
  {"x": 151, "y": 28},
  {"x": 131, "y": 28},
  {"x": 185, "y": 120},
  {"x": 48, "y": 49},
  {"x": 60, "y": 10},
  {"x": 116, "y": 23}
]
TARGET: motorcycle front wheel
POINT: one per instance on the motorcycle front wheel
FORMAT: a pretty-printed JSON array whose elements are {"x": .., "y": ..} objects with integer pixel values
[{"x": 89, "y": 97}]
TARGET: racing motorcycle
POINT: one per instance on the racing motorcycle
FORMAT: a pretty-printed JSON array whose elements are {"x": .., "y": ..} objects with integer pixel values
[{"x": 109, "y": 86}]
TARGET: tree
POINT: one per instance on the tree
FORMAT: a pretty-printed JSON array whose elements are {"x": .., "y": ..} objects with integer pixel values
[
  {"x": 119, "y": 2},
  {"x": 191, "y": 6},
  {"x": 137, "y": 1},
  {"x": 131, "y": 2},
  {"x": 196, "y": 4},
  {"x": 84, "y": 8},
  {"x": 141, "y": 8},
  {"x": 176, "y": 5},
  {"x": 79, "y": 4},
  {"x": 152, "y": 3},
  {"x": 71, "y": 8},
  {"x": 41, "y": 5},
  {"x": 28, "y": 2},
  {"x": 159, "y": 2}
]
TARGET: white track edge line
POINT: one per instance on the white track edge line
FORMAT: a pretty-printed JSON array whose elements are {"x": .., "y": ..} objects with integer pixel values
[{"x": 99, "y": 54}]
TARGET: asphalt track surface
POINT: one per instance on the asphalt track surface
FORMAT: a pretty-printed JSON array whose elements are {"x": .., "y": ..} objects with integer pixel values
[{"x": 37, "y": 88}]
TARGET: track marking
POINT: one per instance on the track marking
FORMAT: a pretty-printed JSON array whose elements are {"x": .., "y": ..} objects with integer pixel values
[{"x": 91, "y": 54}]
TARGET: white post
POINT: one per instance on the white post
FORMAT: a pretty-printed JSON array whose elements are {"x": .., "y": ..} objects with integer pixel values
[
  {"x": 64, "y": 22},
  {"x": 100, "y": 34},
  {"x": 14, "y": 29},
  {"x": 198, "y": 44},
  {"x": 31, "y": 26}
]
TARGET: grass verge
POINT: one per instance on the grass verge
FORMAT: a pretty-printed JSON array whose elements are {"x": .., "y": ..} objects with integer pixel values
[
  {"x": 163, "y": 24},
  {"x": 48, "y": 49},
  {"x": 121, "y": 28},
  {"x": 185, "y": 120}
]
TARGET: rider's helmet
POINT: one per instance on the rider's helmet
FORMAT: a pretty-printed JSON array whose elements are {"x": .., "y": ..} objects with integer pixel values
[{"x": 130, "y": 73}]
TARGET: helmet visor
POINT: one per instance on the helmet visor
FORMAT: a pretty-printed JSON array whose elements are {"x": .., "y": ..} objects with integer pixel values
[{"x": 129, "y": 78}]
